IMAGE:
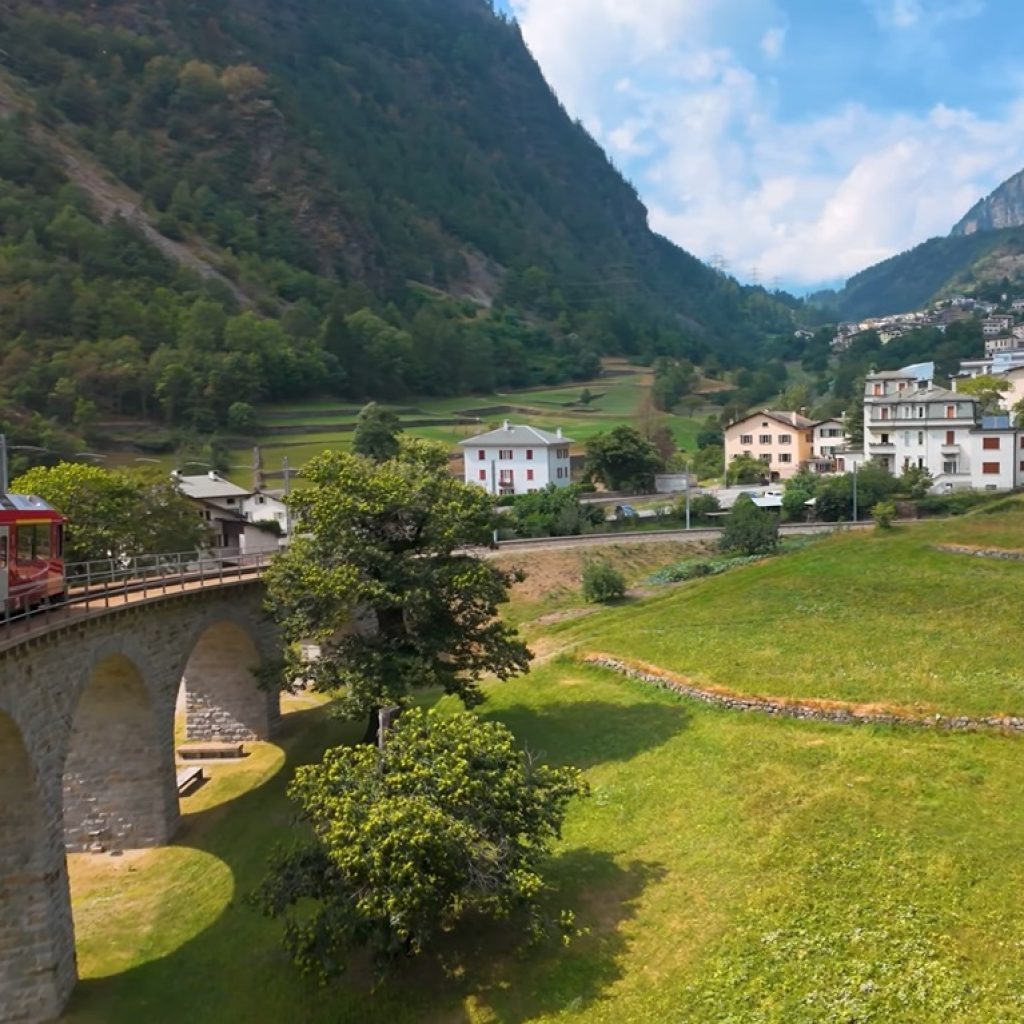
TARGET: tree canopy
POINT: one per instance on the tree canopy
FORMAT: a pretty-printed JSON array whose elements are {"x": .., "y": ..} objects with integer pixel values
[
  {"x": 382, "y": 575},
  {"x": 376, "y": 433},
  {"x": 450, "y": 819},
  {"x": 115, "y": 513},
  {"x": 623, "y": 460}
]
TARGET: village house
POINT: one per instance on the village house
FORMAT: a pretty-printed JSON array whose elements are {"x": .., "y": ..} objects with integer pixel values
[
  {"x": 241, "y": 520},
  {"x": 783, "y": 441},
  {"x": 517, "y": 459},
  {"x": 908, "y": 421}
]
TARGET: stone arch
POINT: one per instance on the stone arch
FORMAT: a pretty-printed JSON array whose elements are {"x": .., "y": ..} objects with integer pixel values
[
  {"x": 224, "y": 700},
  {"x": 118, "y": 780},
  {"x": 37, "y": 945}
]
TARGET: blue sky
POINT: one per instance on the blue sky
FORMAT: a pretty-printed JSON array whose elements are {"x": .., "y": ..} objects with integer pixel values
[{"x": 801, "y": 140}]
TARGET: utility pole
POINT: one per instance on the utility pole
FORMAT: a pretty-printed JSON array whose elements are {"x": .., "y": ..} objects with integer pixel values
[
  {"x": 3, "y": 464},
  {"x": 855, "y": 492},
  {"x": 687, "y": 482},
  {"x": 287, "y": 491}
]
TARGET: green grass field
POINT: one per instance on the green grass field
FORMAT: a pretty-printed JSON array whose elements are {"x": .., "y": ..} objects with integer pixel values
[
  {"x": 618, "y": 399},
  {"x": 728, "y": 868},
  {"x": 882, "y": 617}
]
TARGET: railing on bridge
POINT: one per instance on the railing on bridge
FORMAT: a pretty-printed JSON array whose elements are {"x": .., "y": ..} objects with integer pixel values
[{"x": 101, "y": 583}]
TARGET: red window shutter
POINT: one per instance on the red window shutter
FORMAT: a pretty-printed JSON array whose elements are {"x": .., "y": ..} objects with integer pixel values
[
  {"x": 529, "y": 474},
  {"x": 990, "y": 468},
  {"x": 529, "y": 453},
  {"x": 990, "y": 443},
  {"x": 483, "y": 475},
  {"x": 481, "y": 455},
  {"x": 950, "y": 437}
]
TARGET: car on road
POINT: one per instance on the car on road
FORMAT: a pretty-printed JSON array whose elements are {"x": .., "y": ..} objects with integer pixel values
[{"x": 626, "y": 512}]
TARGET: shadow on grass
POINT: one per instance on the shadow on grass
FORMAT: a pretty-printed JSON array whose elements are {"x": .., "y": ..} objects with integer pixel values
[
  {"x": 233, "y": 967},
  {"x": 586, "y": 733}
]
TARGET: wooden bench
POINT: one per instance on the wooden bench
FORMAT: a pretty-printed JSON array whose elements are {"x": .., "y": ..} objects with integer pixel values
[
  {"x": 209, "y": 751},
  {"x": 189, "y": 778}
]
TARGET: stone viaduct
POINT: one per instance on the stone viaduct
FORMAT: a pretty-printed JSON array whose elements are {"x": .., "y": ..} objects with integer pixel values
[{"x": 87, "y": 715}]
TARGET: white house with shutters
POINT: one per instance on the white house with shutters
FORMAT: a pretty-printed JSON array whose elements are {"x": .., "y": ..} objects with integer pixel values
[
  {"x": 908, "y": 421},
  {"x": 517, "y": 459}
]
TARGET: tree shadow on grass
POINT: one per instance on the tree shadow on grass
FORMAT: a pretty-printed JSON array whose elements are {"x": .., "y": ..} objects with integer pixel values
[
  {"x": 587, "y": 733},
  {"x": 233, "y": 966},
  {"x": 489, "y": 967}
]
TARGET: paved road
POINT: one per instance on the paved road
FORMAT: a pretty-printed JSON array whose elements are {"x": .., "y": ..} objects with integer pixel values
[{"x": 653, "y": 537}]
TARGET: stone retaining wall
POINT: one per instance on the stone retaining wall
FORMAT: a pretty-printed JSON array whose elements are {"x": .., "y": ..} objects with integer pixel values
[
  {"x": 836, "y": 712},
  {"x": 1003, "y": 554}
]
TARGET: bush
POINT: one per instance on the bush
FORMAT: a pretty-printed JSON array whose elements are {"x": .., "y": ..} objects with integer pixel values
[
  {"x": 883, "y": 514},
  {"x": 750, "y": 530},
  {"x": 602, "y": 583},
  {"x": 701, "y": 506}
]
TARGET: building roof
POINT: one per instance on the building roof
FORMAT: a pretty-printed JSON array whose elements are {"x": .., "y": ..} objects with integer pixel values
[
  {"x": 929, "y": 394},
  {"x": 23, "y": 503},
  {"x": 788, "y": 419},
  {"x": 517, "y": 435},
  {"x": 209, "y": 485}
]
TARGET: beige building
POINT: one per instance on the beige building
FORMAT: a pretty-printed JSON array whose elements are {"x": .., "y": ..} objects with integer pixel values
[{"x": 783, "y": 441}]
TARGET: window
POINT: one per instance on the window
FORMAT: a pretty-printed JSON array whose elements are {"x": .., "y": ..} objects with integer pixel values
[
  {"x": 562, "y": 453},
  {"x": 950, "y": 437},
  {"x": 42, "y": 541},
  {"x": 765, "y": 457},
  {"x": 749, "y": 439},
  {"x": 785, "y": 457},
  {"x": 483, "y": 475},
  {"x": 529, "y": 454},
  {"x": 529, "y": 474},
  {"x": 1022, "y": 465},
  {"x": 990, "y": 444},
  {"x": 481, "y": 455},
  {"x": 920, "y": 437},
  {"x": 950, "y": 466},
  {"x": 906, "y": 438},
  {"x": 3, "y": 552},
  {"x": 504, "y": 453},
  {"x": 764, "y": 439},
  {"x": 504, "y": 476},
  {"x": 231, "y": 501},
  {"x": 876, "y": 389},
  {"x": 24, "y": 549},
  {"x": 920, "y": 412},
  {"x": 990, "y": 468},
  {"x": 950, "y": 412},
  {"x": 883, "y": 413},
  {"x": 764, "y": 423},
  {"x": 785, "y": 438},
  {"x": 885, "y": 438}
]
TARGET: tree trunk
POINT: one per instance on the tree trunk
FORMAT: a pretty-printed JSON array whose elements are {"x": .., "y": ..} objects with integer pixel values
[{"x": 372, "y": 727}]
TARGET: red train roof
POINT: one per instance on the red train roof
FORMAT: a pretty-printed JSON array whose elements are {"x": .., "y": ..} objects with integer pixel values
[{"x": 15, "y": 507}]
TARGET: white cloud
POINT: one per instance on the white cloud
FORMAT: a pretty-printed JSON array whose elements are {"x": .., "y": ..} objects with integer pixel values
[
  {"x": 772, "y": 42},
  {"x": 913, "y": 14},
  {"x": 699, "y": 133}
]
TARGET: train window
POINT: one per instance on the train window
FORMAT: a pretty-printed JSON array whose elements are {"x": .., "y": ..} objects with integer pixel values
[
  {"x": 58, "y": 548},
  {"x": 24, "y": 548},
  {"x": 3, "y": 552},
  {"x": 42, "y": 541}
]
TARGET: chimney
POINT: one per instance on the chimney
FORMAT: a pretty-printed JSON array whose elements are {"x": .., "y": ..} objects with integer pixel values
[
  {"x": 558, "y": 433},
  {"x": 506, "y": 425},
  {"x": 212, "y": 474},
  {"x": 952, "y": 383}
]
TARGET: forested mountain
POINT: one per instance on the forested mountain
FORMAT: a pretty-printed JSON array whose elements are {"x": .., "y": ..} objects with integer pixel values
[
  {"x": 205, "y": 204},
  {"x": 981, "y": 263}
]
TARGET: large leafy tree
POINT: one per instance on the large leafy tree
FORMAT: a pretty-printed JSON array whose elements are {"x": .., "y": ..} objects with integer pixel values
[
  {"x": 987, "y": 389},
  {"x": 376, "y": 433},
  {"x": 750, "y": 530},
  {"x": 450, "y": 818},
  {"x": 554, "y": 511},
  {"x": 623, "y": 460},
  {"x": 381, "y": 574},
  {"x": 115, "y": 513}
]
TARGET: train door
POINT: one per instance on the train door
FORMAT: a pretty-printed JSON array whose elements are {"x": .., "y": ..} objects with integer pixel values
[{"x": 4, "y": 574}]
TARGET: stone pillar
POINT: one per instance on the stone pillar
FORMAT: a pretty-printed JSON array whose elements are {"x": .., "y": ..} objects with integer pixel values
[
  {"x": 120, "y": 788},
  {"x": 223, "y": 698},
  {"x": 37, "y": 942}
]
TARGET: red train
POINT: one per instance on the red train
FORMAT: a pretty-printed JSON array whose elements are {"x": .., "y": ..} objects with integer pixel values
[{"x": 31, "y": 554}]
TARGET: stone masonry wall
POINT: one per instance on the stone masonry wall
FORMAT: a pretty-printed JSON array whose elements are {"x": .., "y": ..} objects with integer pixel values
[{"x": 87, "y": 712}]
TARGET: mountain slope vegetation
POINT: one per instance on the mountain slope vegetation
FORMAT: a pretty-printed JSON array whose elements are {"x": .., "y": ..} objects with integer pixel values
[{"x": 209, "y": 204}]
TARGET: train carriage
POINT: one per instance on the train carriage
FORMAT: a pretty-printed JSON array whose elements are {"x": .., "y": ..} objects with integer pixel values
[{"x": 31, "y": 553}]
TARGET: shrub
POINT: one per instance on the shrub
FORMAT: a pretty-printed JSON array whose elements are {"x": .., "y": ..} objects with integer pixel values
[
  {"x": 883, "y": 514},
  {"x": 750, "y": 530},
  {"x": 602, "y": 583}
]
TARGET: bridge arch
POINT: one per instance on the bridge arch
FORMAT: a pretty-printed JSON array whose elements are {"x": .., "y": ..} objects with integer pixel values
[
  {"x": 118, "y": 775},
  {"x": 224, "y": 698},
  {"x": 37, "y": 946}
]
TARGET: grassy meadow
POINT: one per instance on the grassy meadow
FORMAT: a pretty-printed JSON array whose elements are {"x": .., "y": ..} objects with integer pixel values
[{"x": 727, "y": 868}]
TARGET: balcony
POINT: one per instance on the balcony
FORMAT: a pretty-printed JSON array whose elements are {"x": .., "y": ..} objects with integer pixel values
[{"x": 950, "y": 449}]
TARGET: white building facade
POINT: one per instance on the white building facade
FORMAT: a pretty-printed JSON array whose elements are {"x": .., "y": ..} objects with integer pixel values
[
  {"x": 909, "y": 422},
  {"x": 517, "y": 459}
]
